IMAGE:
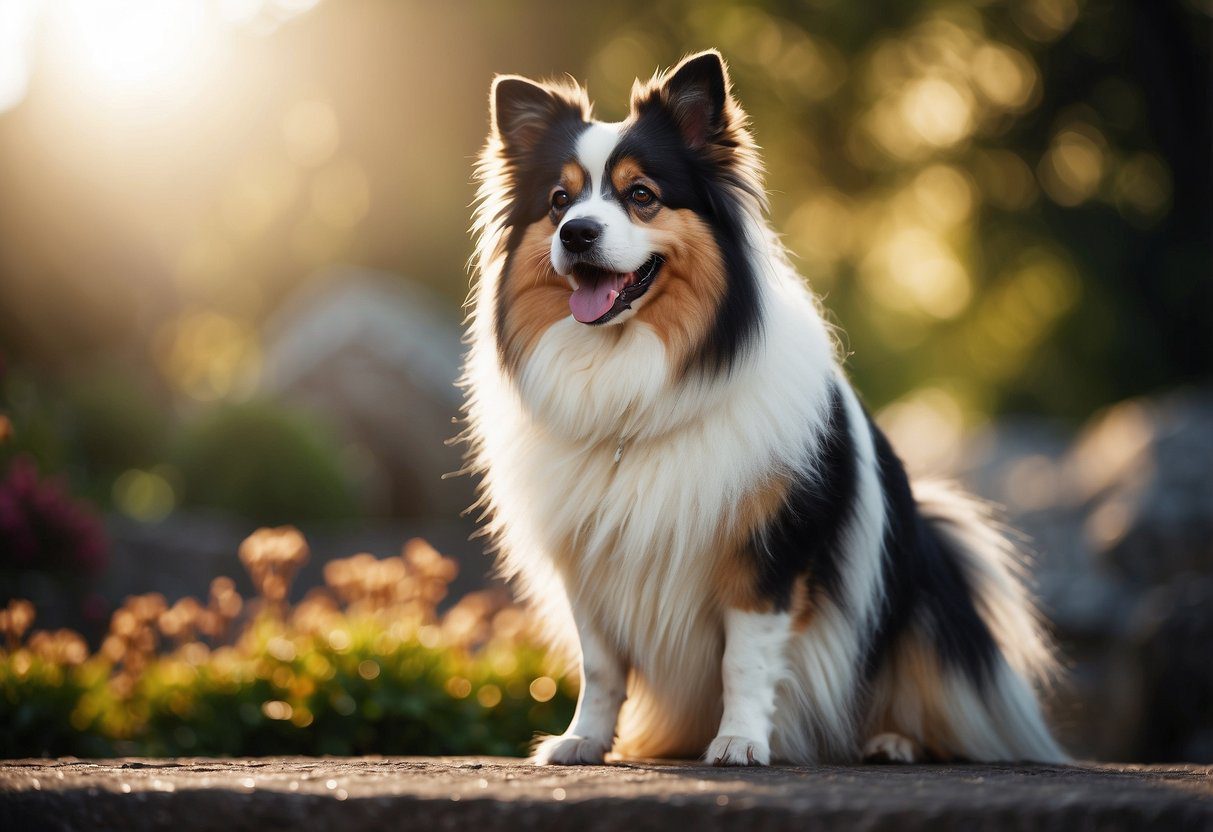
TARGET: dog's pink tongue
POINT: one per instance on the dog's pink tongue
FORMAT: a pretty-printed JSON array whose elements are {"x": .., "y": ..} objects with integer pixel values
[{"x": 593, "y": 299}]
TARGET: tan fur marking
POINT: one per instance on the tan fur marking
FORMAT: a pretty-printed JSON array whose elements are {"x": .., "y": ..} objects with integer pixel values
[
  {"x": 626, "y": 172},
  {"x": 690, "y": 287},
  {"x": 803, "y": 608},
  {"x": 535, "y": 296},
  {"x": 572, "y": 178},
  {"x": 735, "y": 577},
  {"x": 736, "y": 583}
]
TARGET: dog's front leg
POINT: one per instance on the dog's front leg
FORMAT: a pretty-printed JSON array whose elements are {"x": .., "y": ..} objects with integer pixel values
[
  {"x": 754, "y": 662},
  {"x": 603, "y": 688}
]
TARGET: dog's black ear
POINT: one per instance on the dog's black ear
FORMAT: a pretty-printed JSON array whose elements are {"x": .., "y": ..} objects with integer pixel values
[
  {"x": 697, "y": 95},
  {"x": 522, "y": 110}
]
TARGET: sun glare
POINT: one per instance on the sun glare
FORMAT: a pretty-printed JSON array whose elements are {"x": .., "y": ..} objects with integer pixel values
[
  {"x": 132, "y": 46},
  {"x": 126, "y": 50},
  {"x": 17, "y": 19}
]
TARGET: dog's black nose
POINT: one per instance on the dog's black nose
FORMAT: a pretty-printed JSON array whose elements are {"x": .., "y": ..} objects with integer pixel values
[{"x": 579, "y": 234}]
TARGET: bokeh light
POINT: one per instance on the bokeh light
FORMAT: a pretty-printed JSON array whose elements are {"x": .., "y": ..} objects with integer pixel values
[{"x": 125, "y": 47}]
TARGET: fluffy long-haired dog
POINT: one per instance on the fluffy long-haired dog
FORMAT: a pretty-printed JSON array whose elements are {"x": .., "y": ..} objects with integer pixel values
[{"x": 681, "y": 480}]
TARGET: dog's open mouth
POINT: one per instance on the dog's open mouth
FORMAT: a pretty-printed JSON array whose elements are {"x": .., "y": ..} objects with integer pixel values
[{"x": 601, "y": 295}]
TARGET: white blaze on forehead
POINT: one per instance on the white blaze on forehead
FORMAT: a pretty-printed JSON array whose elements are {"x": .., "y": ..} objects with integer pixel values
[
  {"x": 624, "y": 245},
  {"x": 594, "y": 150}
]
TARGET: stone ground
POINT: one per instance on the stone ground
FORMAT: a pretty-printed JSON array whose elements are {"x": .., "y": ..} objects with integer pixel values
[{"x": 490, "y": 793}]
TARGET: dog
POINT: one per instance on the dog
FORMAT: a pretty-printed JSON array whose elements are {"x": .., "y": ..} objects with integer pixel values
[{"x": 681, "y": 481}]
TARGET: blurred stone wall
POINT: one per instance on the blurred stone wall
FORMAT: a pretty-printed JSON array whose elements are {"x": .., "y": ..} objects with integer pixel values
[
  {"x": 1120, "y": 519},
  {"x": 378, "y": 356}
]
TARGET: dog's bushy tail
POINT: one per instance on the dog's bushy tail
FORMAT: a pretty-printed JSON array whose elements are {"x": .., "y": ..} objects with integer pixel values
[{"x": 1004, "y": 719}]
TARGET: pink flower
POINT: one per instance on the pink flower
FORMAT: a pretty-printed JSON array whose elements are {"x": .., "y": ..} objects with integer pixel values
[{"x": 42, "y": 527}]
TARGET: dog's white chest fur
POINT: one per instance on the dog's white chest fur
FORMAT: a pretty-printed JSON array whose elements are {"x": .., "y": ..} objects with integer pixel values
[{"x": 619, "y": 488}]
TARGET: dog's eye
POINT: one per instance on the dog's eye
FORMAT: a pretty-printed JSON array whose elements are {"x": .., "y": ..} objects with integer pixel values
[
  {"x": 641, "y": 195},
  {"x": 561, "y": 199}
]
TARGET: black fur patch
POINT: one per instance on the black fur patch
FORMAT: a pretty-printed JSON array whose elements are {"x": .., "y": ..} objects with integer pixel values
[
  {"x": 924, "y": 583},
  {"x": 689, "y": 179},
  {"x": 803, "y": 538},
  {"x": 533, "y": 172}
]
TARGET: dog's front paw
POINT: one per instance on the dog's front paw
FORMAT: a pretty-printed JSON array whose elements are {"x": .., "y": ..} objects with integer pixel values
[
  {"x": 569, "y": 750},
  {"x": 738, "y": 751}
]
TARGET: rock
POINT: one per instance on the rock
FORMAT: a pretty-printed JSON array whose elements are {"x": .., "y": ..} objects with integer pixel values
[
  {"x": 1173, "y": 631},
  {"x": 1121, "y": 521},
  {"x": 495, "y": 793},
  {"x": 378, "y": 356},
  {"x": 1144, "y": 474}
]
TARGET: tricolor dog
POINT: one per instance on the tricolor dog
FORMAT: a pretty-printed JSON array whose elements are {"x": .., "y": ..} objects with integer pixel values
[{"x": 681, "y": 480}]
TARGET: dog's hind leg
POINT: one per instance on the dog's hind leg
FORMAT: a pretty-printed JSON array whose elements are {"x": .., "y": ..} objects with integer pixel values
[
  {"x": 891, "y": 748},
  {"x": 948, "y": 714}
]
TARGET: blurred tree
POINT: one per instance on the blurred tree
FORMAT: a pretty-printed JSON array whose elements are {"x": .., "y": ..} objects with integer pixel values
[{"x": 1006, "y": 203}]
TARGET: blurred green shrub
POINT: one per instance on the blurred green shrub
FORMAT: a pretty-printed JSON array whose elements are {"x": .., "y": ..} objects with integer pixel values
[
  {"x": 264, "y": 462},
  {"x": 116, "y": 423},
  {"x": 362, "y": 665},
  {"x": 47, "y": 535},
  {"x": 92, "y": 426},
  {"x": 106, "y": 431}
]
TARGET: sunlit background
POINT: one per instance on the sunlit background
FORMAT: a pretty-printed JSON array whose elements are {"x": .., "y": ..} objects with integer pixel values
[{"x": 233, "y": 245}]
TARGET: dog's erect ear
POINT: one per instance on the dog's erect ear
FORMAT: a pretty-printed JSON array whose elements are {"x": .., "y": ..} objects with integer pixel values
[
  {"x": 523, "y": 110},
  {"x": 697, "y": 95}
]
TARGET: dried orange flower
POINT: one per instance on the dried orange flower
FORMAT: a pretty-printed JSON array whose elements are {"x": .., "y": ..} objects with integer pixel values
[
  {"x": 224, "y": 599},
  {"x": 181, "y": 620},
  {"x": 272, "y": 557},
  {"x": 60, "y": 647},
  {"x": 15, "y": 619},
  {"x": 277, "y": 547},
  {"x": 468, "y": 624}
]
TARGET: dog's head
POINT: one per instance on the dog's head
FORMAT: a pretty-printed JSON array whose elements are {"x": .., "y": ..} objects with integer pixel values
[{"x": 641, "y": 222}]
